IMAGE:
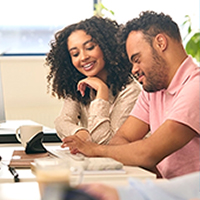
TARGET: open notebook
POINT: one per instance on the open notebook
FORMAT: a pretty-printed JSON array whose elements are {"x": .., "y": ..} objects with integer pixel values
[{"x": 89, "y": 163}]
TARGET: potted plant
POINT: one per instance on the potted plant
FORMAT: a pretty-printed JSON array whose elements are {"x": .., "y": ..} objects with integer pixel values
[{"x": 193, "y": 44}]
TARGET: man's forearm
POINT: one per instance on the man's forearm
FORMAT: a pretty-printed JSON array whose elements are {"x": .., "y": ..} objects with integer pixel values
[
  {"x": 132, "y": 154},
  {"x": 116, "y": 152},
  {"x": 117, "y": 140}
]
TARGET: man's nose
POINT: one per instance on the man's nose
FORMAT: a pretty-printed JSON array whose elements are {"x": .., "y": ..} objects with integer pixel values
[{"x": 135, "y": 69}]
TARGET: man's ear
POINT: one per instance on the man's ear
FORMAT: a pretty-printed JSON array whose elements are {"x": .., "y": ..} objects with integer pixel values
[{"x": 161, "y": 42}]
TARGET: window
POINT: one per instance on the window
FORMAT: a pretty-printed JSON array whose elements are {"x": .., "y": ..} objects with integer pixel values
[{"x": 26, "y": 27}]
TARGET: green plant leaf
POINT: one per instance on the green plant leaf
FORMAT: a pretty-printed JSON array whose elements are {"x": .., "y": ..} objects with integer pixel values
[
  {"x": 189, "y": 29},
  {"x": 193, "y": 46},
  {"x": 112, "y": 12},
  {"x": 184, "y": 22},
  {"x": 99, "y": 7}
]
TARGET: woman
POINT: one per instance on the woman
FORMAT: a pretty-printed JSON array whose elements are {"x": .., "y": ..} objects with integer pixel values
[{"x": 92, "y": 78}]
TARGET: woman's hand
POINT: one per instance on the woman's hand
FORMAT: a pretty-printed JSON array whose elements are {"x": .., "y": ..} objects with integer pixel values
[
  {"x": 96, "y": 84},
  {"x": 76, "y": 145}
]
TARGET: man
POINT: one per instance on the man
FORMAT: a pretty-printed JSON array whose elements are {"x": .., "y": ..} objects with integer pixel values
[{"x": 168, "y": 106}]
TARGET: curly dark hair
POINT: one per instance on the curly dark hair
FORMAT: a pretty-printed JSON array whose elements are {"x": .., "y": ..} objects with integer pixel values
[
  {"x": 63, "y": 76},
  {"x": 151, "y": 24}
]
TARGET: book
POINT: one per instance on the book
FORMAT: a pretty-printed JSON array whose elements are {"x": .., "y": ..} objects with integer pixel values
[{"x": 22, "y": 160}]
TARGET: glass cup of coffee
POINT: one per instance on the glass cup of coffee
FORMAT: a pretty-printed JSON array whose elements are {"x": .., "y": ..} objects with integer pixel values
[{"x": 53, "y": 171}]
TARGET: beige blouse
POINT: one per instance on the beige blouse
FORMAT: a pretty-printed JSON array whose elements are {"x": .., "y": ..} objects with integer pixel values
[{"x": 101, "y": 118}]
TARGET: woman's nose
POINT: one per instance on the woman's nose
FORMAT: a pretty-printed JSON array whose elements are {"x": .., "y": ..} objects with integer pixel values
[{"x": 84, "y": 56}]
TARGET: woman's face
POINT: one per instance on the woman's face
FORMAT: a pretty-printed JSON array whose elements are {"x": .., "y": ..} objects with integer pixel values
[{"x": 86, "y": 54}]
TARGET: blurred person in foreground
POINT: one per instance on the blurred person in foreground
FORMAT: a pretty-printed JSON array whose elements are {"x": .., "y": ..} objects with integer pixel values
[{"x": 184, "y": 187}]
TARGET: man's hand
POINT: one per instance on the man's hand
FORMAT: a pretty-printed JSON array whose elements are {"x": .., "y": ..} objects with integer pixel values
[
  {"x": 84, "y": 135},
  {"x": 76, "y": 145}
]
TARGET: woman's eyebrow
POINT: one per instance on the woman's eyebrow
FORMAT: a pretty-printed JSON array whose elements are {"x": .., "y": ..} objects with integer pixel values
[
  {"x": 86, "y": 42},
  {"x": 72, "y": 48}
]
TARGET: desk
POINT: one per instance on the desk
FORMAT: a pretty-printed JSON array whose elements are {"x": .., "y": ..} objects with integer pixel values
[
  {"x": 19, "y": 191},
  {"x": 27, "y": 189}
]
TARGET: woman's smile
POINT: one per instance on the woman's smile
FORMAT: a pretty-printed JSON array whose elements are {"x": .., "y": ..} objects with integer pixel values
[{"x": 89, "y": 66}]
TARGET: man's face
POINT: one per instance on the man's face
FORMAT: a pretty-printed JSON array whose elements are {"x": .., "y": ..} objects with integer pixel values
[{"x": 148, "y": 66}]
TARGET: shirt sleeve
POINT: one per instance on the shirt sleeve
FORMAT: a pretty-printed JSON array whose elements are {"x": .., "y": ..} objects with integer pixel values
[
  {"x": 67, "y": 123},
  {"x": 105, "y": 118},
  {"x": 141, "y": 108},
  {"x": 186, "y": 106}
]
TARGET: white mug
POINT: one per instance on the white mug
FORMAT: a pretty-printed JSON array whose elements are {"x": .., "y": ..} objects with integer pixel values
[{"x": 26, "y": 132}]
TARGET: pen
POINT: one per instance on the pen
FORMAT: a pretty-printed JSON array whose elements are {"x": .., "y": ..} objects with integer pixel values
[{"x": 14, "y": 173}]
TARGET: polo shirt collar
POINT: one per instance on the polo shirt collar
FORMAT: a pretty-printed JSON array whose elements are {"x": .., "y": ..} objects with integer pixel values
[{"x": 181, "y": 76}]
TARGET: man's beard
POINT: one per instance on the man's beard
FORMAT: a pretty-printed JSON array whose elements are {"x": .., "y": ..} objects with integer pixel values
[{"x": 157, "y": 76}]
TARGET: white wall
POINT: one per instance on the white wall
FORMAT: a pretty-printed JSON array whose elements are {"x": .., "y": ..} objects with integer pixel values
[
  {"x": 128, "y": 9},
  {"x": 25, "y": 90}
]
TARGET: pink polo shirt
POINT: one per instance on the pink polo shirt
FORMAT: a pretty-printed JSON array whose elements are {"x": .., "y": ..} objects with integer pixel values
[{"x": 180, "y": 102}]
